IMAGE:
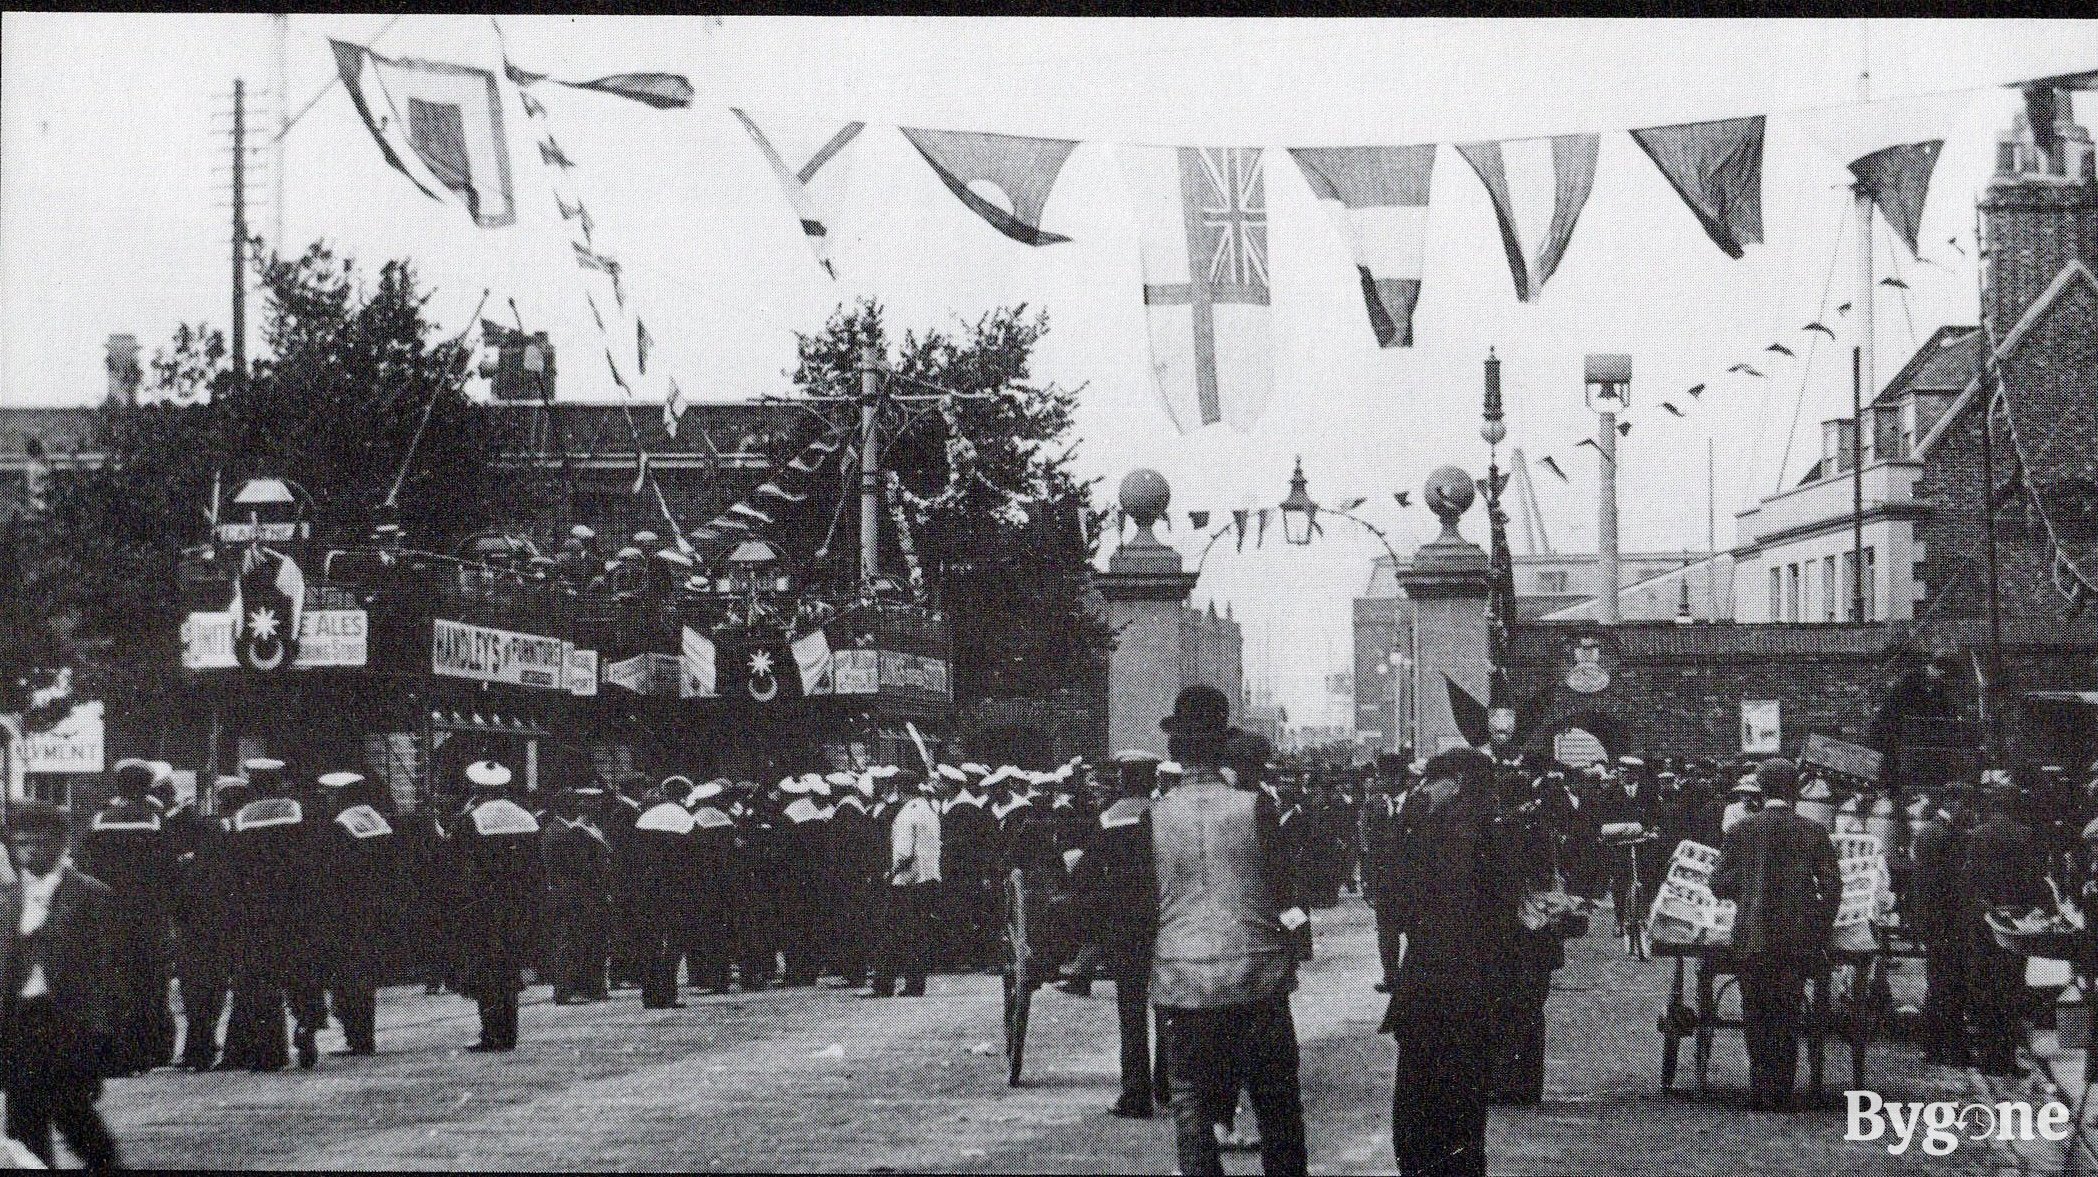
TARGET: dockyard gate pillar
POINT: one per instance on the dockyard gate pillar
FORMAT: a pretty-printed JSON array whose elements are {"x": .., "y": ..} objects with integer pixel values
[
  {"x": 1448, "y": 587},
  {"x": 1144, "y": 587}
]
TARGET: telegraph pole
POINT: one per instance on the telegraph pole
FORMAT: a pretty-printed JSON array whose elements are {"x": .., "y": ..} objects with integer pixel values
[
  {"x": 240, "y": 236},
  {"x": 870, "y": 457}
]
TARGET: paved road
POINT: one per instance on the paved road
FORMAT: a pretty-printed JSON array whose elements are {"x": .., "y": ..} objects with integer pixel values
[{"x": 816, "y": 1079}]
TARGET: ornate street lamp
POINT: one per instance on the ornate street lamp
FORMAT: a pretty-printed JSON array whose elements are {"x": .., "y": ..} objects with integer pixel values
[{"x": 1299, "y": 513}]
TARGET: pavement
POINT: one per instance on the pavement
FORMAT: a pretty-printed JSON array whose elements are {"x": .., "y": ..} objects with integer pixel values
[{"x": 815, "y": 1079}]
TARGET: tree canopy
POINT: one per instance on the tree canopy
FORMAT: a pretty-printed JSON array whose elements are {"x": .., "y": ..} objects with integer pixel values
[{"x": 1000, "y": 522}]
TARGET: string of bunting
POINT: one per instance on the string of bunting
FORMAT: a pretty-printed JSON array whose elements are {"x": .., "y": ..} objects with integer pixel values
[{"x": 1201, "y": 212}]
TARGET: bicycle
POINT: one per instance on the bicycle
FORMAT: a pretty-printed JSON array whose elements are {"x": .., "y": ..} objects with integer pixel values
[{"x": 1628, "y": 894}]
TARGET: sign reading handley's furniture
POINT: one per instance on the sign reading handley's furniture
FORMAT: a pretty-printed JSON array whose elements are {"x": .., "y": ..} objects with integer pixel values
[{"x": 483, "y": 654}]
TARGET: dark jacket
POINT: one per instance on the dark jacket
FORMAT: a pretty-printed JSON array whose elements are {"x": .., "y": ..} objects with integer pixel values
[
  {"x": 1451, "y": 903},
  {"x": 1932, "y": 902},
  {"x": 1118, "y": 886},
  {"x": 77, "y": 964},
  {"x": 1780, "y": 870},
  {"x": 2003, "y": 867}
]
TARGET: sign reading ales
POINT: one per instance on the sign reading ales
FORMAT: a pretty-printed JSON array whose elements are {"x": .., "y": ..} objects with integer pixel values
[{"x": 460, "y": 650}]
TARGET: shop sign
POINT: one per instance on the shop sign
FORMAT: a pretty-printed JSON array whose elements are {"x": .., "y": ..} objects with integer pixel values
[
  {"x": 645, "y": 674},
  {"x": 73, "y": 745},
  {"x": 327, "y": 638},
  {"x": 582, "y": 671},
  {"x": 1761, "y": 732},
  {"x": 483, "y": 654},
  {"x": 268, "y": 533},
  {"x": 1588, "y": 674},
  {"x": 913, "y": 672},
  {"x": 855, "y": 672}
]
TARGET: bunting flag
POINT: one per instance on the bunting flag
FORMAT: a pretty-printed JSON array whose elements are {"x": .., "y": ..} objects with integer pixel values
[
  {"x": 1897, "y": 179},
  {"x": 773, "y": 490},
  {"x": 550, "y": 153},
  {"x": 1378, "y": 197},
  {"x": 1260, "y": 536},
  {"x": 1468, "y": 713},
  {"x": 814, "y": 188},
  {"x": 1717, "y": 168},
  {"x": 696, "y": 678},
  {"x": 812, "y": 658},
  {"x": 531, "y": 105},
  {"x": 439, "y": 125},
  {"x": 576, "y": 212},
  {"x": 643, "y": 344},
  {"x": 1199, "y": 520},
  {"x": 595, "y": 313},
  {"x": 662, "y": 91},
  {"x": 1538, "y": 187},
  {"x": 1203, "y": 222},
  {"x": 616, "y": 377},
  {"x": 604, "y": 264},
  {"x": 640, "y": 472},
  {"x": 1020, "y": 170},
  {"x": 1238, "y": 523},
  {"x": 673, "y": 407}
]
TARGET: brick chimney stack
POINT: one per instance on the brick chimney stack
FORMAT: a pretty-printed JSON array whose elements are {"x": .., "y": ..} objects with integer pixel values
[
  {"x": 2039, "y": 214},
  {"x": 124, "y": 371}
]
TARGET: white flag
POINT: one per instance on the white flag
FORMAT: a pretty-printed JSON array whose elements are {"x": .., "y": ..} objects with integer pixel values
[
  {"x": 812, "y": 656},
  {"x": 696, "y": 668},
  {"x": 440, "y": 124},
  {"x": 805, "y": 161},
  {"x": 1202, "y": 221},
  {"x": 1538, "y": 187}
]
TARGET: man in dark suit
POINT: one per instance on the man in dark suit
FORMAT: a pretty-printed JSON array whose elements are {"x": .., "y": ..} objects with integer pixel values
[
  {"x": 1379, "y": 831},
  {"x": 1456, "y": 912},
  {"x": 126, "y": 848},
  {"x": 1932, "y": 902},
  {"x": 58, "y": 1011},
  {"x": 1118, "y": 889},
  {"x": 2003, "y": 866},
  {"x": 1780, "y": 870}
]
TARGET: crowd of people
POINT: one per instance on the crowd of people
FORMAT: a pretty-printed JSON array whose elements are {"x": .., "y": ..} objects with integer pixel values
[{"x": 295, "y": 896}]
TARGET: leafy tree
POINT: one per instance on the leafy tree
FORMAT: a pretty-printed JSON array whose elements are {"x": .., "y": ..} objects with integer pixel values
[
  {"x": 348, "y": 373},
  {"x": 999, "y": 520}
]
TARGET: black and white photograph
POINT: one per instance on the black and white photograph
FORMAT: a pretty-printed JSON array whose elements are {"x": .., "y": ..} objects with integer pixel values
[{"x": 988, "y": 592}]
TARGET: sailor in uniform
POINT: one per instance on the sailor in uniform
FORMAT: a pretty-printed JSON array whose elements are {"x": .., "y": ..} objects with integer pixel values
[
  {"x": 126, "y": 848},
  {"x": 273, "y": 949},
  {"x": 658, "y": 875},
  {"x": 705, "y": 930},
  {"x": 751, "y": 903},
  {"x": 578, "y": 863},
  {"x": 198, "y": 911},
  {"x": 496, "y": 849},
  {"x": 799, "y": 840},
  {"x": 360, "y": 864},
  {"x": 968, "y": 848},
  {"x": 1118, "y": 889}
]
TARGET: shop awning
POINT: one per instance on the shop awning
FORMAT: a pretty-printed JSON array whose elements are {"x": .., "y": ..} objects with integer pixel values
[
  {"x": 490, "y": 722},
  {"x": 2087, "y": 697}
]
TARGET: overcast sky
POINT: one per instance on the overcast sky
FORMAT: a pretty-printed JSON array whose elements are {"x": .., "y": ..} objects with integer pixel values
[{"x": 110, "y": 220}]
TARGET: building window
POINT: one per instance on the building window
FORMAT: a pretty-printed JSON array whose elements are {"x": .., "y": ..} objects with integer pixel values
[
  {"x": 1850, "y": 573},
  {"x": 1792, "y": 592},
  {"x": 1829, "y": 592},
  {"x": 1777, "y": 595},
  {"x": 54, "y": 788},
  {"x": 1551, "y": 582}
]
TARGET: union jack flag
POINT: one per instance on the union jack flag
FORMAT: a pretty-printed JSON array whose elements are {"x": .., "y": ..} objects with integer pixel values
[{"x": 1233, "y": 219}]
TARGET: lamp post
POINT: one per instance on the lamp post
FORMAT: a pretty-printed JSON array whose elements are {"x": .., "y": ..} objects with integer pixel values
[
  {"x": 1608, "y": 389},
  {"x": 1501, "y": 601}
]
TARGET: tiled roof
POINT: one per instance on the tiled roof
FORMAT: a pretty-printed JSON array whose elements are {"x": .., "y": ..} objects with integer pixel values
[{"x": 1944, "y": 363}]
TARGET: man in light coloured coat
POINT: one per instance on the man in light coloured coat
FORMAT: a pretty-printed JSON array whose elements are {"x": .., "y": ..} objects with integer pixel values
[
  {"x": 1223, "y": 961},
  {"x": 914, "y": 889}
]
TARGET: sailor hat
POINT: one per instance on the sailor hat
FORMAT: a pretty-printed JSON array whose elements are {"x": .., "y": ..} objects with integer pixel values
[
  {"x": 957, "y": 775},
  {"x": 841, "y": 780},
  {"x": 338, "y": 780},
  {"x": 705, "y": 792}
]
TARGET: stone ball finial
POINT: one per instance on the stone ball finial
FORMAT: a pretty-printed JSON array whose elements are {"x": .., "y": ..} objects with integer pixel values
[
  {"x": 1145, "y": 497},
  {"x": 1449, "y": 492}
]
